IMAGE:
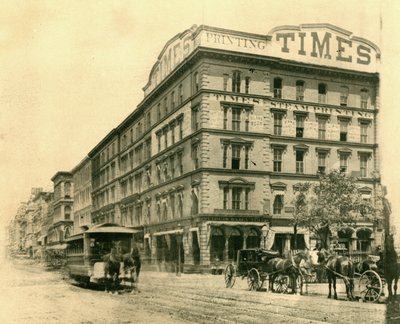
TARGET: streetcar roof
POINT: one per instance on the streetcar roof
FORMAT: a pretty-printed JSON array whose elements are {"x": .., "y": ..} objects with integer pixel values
[{"x": 105, "y": 228}]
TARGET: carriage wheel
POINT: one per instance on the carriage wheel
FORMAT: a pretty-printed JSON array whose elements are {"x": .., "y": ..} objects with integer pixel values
[
  {"x": 253, "y": 279},
  {"x": 281, "y": 283},
  {"x": 230, "y": 276},
  {"x": 299, "y": 284},
  {"x": 370, "y": 286}
]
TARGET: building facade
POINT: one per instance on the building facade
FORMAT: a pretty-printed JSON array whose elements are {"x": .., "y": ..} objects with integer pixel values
[
  {"x": 17, "y": 230},
  {"x": 82, "y": 180},
  {"x": 231, "y": 122},
  {"x": 209, "y": 162},
  {"x": 60, "y": 216}
]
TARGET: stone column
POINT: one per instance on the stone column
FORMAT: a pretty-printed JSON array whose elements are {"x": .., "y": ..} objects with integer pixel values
[
  {"x": 287, "y": 244},
  {"x": 353, "y": 243},
  {"x": 153, "y": 250},
  {"x": 245, "y": 235},
  {"x": 189, "y": 249},
  {"x": 226, "y": 250}
]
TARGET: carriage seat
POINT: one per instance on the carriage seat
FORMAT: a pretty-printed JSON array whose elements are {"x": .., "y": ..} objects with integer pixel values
[{"x": 268, "y": 254}]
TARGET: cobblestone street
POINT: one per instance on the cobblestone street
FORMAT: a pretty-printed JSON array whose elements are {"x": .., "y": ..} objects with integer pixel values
[{"x": 33, "y": 295}]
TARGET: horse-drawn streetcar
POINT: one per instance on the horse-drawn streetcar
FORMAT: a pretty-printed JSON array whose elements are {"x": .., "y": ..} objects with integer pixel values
[
  {"x": 88, "y": 254},
  {"x": 259, "y": 266}
]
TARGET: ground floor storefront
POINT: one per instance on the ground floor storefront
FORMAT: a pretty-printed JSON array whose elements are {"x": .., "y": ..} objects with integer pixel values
[{"x": 211, "y": 242}]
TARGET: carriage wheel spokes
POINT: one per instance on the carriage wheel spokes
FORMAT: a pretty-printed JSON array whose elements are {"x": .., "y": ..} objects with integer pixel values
[
  {"x": 253, "y": 279},
  {"x": 370, "y": 286},
  {"x": 230, "y": 276},
  {"x": 281, "y": 283},
  {"x": 298, "y": 282}
]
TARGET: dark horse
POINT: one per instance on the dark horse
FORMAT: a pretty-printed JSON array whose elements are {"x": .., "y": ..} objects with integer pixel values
[
  {"x": 341, "y": 267},
  {"x": 365, "y": 265},
  {"x": 112, "y": 265},
  {"x": 279, "y": 269},
  {"x": 132, "y": 265},
  {"x": 390, "y": 265}
]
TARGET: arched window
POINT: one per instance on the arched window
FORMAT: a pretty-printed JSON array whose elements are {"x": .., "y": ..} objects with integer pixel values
[
  {"x": 195, "y": 204},
  {"x": 165, "y": 212},
  {"x": 67, "y": 232},
  {"x": 344, "y": 95},
  {"x": 253, "y": 239},
  {"x": 235, "y": 243},
  {"x": 364, "y": 240},
  {"x": 278, "y": 204},
  {"x": 158, "y": 211},
  {"x": 217, "y": 245},
  {"x": 67, "y": 190},
  {"x": 180, "y": 205},
  {"x": 67, "y": 212}
]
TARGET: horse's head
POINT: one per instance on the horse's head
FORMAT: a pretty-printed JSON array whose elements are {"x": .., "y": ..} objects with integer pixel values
[
  {"x": 303, "y": 261},
  {"x": 135, "y": 252},
  {"x": 323, "y": 256}
]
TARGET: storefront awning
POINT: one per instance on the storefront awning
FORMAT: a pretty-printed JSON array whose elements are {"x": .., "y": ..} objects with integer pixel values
[
  {"x": 74, "y": 237},
  {"x": 287, "y": 230},
  {"x": 113, "y": 229},
  {"x": 230, "y": 223},
  {"x": 57, "y": 247},
  {"x": 177, "y": 231},
  {"x": 234, "y": 223}
]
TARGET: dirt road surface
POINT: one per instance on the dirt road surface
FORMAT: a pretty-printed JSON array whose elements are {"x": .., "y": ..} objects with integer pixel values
[{"x": 32, "y": 295}]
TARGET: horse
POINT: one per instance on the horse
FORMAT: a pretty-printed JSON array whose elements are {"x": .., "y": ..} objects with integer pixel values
[
  {"x": 304, "y": 263},
  {"x": 132, "y": 265},
  {"x": 279, "y": 267},
  {"x": 390, "y": 266},
  {"x": 112, "y": 265},
  {"x": 365, "y": 265},
  {"x": 338, "y": 266}
]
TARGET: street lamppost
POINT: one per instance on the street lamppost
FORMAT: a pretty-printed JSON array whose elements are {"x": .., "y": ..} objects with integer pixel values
[
  {"x": 265, "y": 230},
  {"x": 178, "y": 273}
]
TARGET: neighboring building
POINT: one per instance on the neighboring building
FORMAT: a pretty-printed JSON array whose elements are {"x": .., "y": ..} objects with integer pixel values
[
  {"x": 230, "y": 123},
  {"x": 12, "y": 244},
  {"x": 20, "y": 229},
  {"x": 48, "y": 219},
  {"x": 60, "y": 216},
  {"x": 39, "y": 214},
  {"x": 82, "y": 180}
]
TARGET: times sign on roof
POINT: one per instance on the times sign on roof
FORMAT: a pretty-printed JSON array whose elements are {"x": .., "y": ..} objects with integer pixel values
[{"x": 319, "y": 44}]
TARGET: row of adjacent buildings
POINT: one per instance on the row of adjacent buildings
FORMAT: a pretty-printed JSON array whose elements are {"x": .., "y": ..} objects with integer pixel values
[{"x": 209, "y": 161}]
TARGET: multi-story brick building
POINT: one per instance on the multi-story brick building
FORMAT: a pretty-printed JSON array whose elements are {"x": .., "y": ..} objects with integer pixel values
[
  {"x": 38, "y": 217},
  {"x": 82, "y": 179},
  {"x": 230, "y": 123},
  {"x": 60, "y": 216}
]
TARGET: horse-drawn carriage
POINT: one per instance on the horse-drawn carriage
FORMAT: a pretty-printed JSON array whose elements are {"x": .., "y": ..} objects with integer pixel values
[
  {"x": 288, "y": 274},
  {"x": 89, "y": 255},
  {"x": 367, "y": 272},
  {"x": 259, "y": 266}
]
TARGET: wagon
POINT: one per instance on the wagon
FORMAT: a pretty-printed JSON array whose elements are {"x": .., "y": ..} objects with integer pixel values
[
  {"x": 253, "y": 264},
  {"x": 371, "y": 282},
  {"x": 85, "y": 252}
]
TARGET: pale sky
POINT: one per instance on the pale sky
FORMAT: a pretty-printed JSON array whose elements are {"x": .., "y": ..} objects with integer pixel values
[{"x": 73, "y": 70}]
